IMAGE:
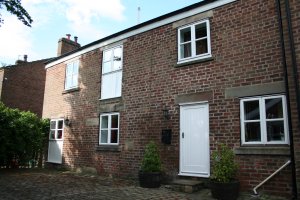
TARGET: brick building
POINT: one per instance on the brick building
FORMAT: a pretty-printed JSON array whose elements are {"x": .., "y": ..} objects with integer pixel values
[
  {"x": 22, "y": 85},
  {"x": 210, "y": 73}
]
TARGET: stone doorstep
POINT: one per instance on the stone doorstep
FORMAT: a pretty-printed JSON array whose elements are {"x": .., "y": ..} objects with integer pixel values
[{"x": 187, "y": 186}]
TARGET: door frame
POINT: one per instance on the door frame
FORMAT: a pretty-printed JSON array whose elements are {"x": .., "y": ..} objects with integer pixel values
[
  {"x": 181, "y": 105},
  {"x": 59, "y": 142}
]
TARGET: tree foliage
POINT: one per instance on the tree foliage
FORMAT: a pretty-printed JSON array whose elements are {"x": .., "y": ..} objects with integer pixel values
[
  {"x": 15, "y": 8},
  {"x": 22, "y": 136}
]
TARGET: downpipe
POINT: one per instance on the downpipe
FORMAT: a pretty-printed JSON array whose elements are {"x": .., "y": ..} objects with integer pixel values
[{"x": 285, "y": 70}]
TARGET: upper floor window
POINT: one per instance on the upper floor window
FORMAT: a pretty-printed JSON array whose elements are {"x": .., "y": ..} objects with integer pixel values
[
  {"x": 111, "y": 85},
  {"x": 71, "y": 80},
  {"x": 194, "y": 41},
  {"x": 109, "y": 128},
  {"x": 264, "y": 120}
]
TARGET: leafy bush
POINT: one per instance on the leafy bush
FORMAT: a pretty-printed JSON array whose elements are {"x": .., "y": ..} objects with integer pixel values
[
  {"x": 224, "y": 166},
  {"x": 151, "y": 161},
  {"x": 22, "y": 136}
]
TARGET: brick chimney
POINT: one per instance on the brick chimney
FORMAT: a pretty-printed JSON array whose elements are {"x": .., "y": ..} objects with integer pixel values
[
  {"x": 22, "y": 61},
  {"x": 66, "y": 45}
]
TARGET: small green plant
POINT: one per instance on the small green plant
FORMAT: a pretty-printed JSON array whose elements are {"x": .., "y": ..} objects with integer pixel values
[
  {"x": 151, "y": 161},
  {"x": 224, "y": 166}
]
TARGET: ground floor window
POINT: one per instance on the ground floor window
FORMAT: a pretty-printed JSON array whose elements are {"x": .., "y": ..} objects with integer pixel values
[
  {"x": 264, "y": 120},
  {"x": 109, "y": 128}
]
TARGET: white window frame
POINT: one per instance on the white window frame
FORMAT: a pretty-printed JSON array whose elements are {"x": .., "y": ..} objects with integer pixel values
[
  {"x": 56, "y": 129},
  {"x": 193, "y": 42},
  {"x": 72, "y": 75},
  {"x": 263, "y": 120},
  {"x": 112, "y": 72},
  {"x": 109, "y": 128}
]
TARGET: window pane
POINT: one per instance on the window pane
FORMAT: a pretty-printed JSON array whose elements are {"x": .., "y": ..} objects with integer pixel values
[
  {"x": 69, "y": 81},
  {"x": 185, "y": 50},
  {"x": 75, "y": 81},
  {"x": 59, "y": 134},
  {"x": 114, "y": 121},
  {"x": 108, "y": 86},
  {"x": 107, "y": 56},
  {"x": 274, "y": 108},
  {"x": 251, "y": 109},
  {"x": 52, "y": 134},
  {"x": 275, "y": 131},
  {"x": 252, "y": 132},
  {"x": 75, "y": 68},
  {"x": 104, "y": 136},
  {"x": 117, "y": 62},
  {"x": 185, "y": 35},
  {"x": 60, "y": 124},
  {"x": 114, "y": 136},
  {"x": 201, "y": 47},
  {"x": 106, "y": 67},
  {"x": 69, "y": 69},
  {"x": 200, "y": 30},
  {"x": 118, "y": 84},
  {"x": 52, "y": 124},
  {"x": 104, "y": 122}
]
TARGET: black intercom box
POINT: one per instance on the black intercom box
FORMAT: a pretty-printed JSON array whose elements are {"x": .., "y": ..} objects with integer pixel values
[{"x": 166, "y": 136}]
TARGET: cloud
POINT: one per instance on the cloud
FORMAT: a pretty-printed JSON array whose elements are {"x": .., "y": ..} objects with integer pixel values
[
  {"x": 84, "y": 15},
  {"x": 85, "y": 11},
  {"x": 15, "y": 40},
  {"x": 84, "y": 18}
]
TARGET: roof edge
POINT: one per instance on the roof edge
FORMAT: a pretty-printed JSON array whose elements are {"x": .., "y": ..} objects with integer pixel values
[{"x": 171, "y": 17}]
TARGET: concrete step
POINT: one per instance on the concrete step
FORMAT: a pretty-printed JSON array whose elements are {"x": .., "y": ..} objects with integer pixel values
[{"x": 186, "y": 185}]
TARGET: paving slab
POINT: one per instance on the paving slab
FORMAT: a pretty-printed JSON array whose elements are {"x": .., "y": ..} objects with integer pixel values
[{"x": 45, "y": 185}]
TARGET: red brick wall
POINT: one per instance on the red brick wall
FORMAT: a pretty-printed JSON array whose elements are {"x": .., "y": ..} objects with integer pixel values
[
  {"x": 23, "y": 86},
  {"x": 246, "y": 51}
]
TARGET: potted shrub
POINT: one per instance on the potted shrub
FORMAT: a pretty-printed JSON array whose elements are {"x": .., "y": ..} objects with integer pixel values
[
  {"x": 224, "y": 186},
  {"x": 150, "y": 172}
]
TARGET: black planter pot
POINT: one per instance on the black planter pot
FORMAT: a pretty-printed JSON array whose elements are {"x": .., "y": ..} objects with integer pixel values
[
  {"x": 149, "y": 179},
  {"x": 225, "y": 191}
]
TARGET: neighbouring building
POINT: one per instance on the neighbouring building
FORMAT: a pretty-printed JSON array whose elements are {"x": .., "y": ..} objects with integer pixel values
[
  {"x": 218, "y": 71},
  {"x": 22, "y": 85}
]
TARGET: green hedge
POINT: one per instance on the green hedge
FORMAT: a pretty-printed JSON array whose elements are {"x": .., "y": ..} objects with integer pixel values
[{"x": 23, "y": 136}]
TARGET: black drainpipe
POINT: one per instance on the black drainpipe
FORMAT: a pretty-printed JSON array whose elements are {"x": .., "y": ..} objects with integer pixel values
[
  {"x": 294, "y": 60},
  {"x": 294, "y": 183}
]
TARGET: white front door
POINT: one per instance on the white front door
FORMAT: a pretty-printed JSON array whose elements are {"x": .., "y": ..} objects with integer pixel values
[
  {"x": 194, "y": 140},
  {"x": 56, "y": 141}
]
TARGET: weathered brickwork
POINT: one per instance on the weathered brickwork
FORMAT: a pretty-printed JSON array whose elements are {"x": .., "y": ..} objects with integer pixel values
[
  {"x": 22, "y": 86},
  {"x": 246, "y": 51}
]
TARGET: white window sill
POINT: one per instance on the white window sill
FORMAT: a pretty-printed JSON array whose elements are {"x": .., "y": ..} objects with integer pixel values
[
  {"x": 110, "y": 98},
  {"x": 69, "y": 90},
  {"x": 194, "y": 60}
]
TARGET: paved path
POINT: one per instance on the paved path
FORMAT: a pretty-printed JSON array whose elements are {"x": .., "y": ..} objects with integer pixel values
[{"x": 44, "y": 185}]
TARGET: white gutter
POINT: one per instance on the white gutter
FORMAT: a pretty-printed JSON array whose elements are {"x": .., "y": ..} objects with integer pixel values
[
  {"x": 263, "y": 182},
  {"x": 145, "y": 28}
]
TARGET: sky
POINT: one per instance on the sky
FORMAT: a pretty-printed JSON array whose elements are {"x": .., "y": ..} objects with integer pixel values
[{"x": 89, "y": 20}]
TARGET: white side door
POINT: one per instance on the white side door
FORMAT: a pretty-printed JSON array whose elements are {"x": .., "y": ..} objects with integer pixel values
[
  {"x": 56, "y": 136},
  {"x": 194, "y": 140}
]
